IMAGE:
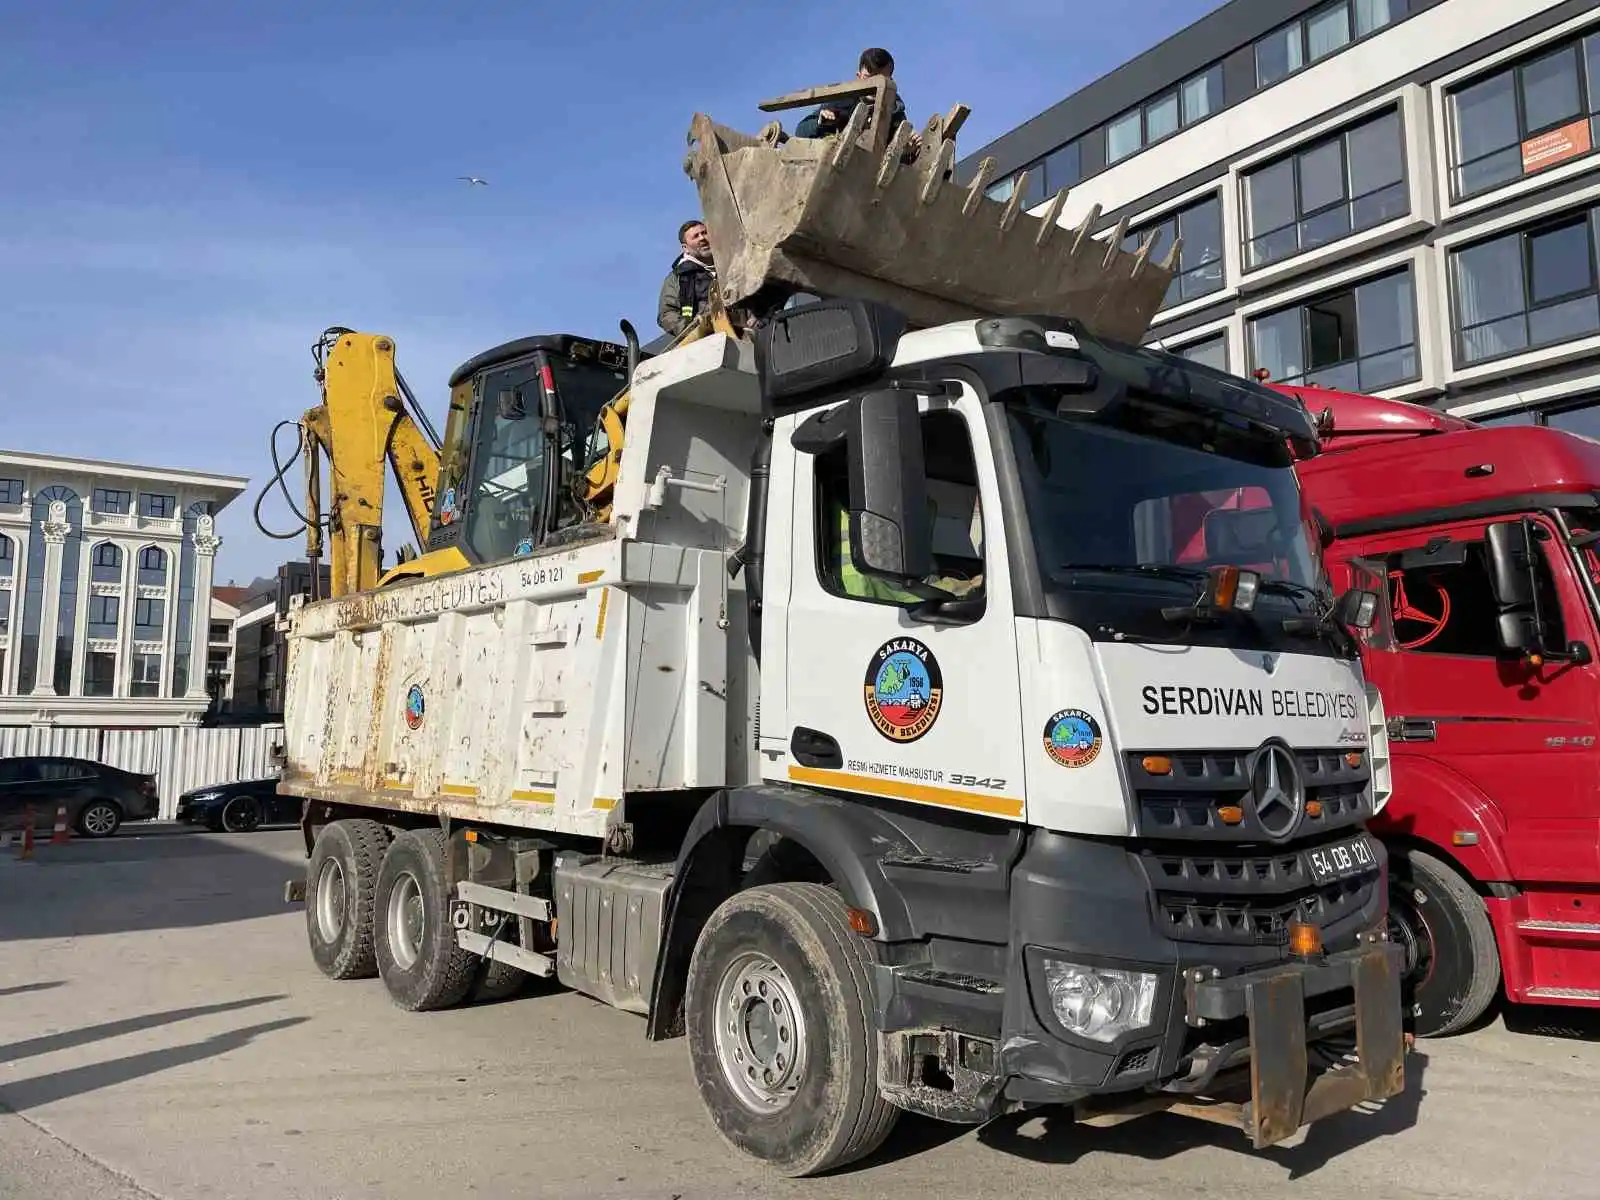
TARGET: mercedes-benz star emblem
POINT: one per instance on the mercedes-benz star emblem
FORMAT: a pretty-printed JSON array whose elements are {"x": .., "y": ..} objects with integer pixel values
[{"x": 1280, "y": 794}]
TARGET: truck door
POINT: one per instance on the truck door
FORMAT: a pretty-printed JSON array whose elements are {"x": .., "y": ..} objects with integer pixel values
[
  {"x": 1524, "y": 734},
  {"x": 882, "y": 704}
]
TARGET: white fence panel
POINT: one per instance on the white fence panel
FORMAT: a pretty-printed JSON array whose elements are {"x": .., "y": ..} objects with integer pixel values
[{"x": 181, "y": 759}]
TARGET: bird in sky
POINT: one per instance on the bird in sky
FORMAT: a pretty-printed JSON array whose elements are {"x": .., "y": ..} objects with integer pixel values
[{"x": 472, "y": 180}]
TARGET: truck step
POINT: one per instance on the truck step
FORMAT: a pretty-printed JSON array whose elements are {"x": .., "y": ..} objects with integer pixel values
[
  {"x": 934, "y": 977},
  {"x": 1559, "y": 993},
  {"x": 528, "y": 960},
  {"x": 501, "y": 900}
]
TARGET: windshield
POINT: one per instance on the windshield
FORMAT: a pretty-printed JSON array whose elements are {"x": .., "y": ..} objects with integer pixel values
[
  {"x": 1131, "y": 505},
  {"x": 508, "y": 510}
]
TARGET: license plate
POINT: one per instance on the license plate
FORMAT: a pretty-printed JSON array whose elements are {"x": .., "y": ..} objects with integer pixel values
[{"x": 1342, "y": 860}]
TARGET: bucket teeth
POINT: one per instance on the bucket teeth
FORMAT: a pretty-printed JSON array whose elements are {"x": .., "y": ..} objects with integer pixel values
[
  {"x": 1170, "y": 263},
  {"x": 1008, "y": 214},
  {"x": 1084, "y": 234},
  {"x": 1048, "y": 220},
  {"x": 853, "y": 129},
  {"x": 1114, "y": 243},
  {"x": 938, "y": 164},
  {"x": 975, "y": 195},
  {"x": 889, "y": 166}
]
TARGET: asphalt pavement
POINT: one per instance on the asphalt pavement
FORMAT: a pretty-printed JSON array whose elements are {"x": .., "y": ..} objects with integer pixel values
[{"x": 163, "y": 1032}]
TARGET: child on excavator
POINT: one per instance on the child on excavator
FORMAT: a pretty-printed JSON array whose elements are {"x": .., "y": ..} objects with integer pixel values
[{"x": 835, "y": 114}]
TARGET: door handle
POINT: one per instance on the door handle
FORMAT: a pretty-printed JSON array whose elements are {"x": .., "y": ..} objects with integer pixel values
[
  {"x": 813, "y": 748},
  {"x": 1413, "y": 729}
]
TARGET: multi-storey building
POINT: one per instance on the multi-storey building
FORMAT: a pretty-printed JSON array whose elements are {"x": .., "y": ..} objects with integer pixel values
[
  {"x": 1392, "y": 196},
  {"x": 105, "y": 590}
]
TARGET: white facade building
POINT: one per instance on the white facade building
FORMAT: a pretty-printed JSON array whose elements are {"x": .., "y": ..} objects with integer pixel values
[
  {"x": 1399, "y": 197},
  {"x": 105, "y": 590}
]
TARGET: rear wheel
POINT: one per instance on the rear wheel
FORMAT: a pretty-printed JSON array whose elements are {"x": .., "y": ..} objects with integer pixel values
[
  {"x": 99, "y": 819},
  {"x": 1452, "y": 963},
  {"x": 241, "y": 815},
  {"x": 780, "y": 1036},
  {"x": 421, "y": 965},
  {"x": 341, "y": 878}
]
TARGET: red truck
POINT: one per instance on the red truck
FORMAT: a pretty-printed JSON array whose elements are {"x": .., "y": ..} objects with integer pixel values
[{"x": 1489, "y": 539}]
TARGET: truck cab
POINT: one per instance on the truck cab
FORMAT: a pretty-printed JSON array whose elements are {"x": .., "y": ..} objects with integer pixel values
[{"x": 1486, "y": 658}]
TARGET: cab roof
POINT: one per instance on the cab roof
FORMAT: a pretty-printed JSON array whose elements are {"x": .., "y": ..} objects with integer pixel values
[{"x": 561, "y": 344}]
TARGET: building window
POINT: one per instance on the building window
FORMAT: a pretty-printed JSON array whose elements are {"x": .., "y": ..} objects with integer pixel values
[
  {"x": 100, "y": 674},
  {"x": 221, "y": 631},
  {"x": 1534, "y": 287},
  {"x": 1360, "y": 339},
  {"x": 8, "y": 560},
  {"x": 109, "y": 500},
  {"x": 104, "y": 614},
  {"x": 1526, "y": 117},
  {"x": 149, "y": 619},
  {"x": 10, "y": 491},
  {"x": 1211, "y": 352},
  {"x": 146, "y": 675},
  {"x": 1192, "y": 100},
  {"x": 153, "y": 567},
  {"x": 156, "y": 505},
  {"x": 105, "y": 563},
  {"x": 1335, "y": 187},
  {"x": 1315, "y": 36},
  {"x": 1061, "y": 168},
  {"x": 1199, "y": 270}
]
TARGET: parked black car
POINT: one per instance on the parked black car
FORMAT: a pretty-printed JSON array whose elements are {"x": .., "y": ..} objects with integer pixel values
[
  {"x": 238, "y": 807},
  {"x": 98, "y": 798}
]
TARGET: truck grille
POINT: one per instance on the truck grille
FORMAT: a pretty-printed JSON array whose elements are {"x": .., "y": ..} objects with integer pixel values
[
  {"x": 1186, "y": 802},
  {"x": 1245, "y": 899}
]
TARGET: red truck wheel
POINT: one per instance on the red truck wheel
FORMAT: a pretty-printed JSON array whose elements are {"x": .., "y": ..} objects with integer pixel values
[{"x": 1452, "y": 963}]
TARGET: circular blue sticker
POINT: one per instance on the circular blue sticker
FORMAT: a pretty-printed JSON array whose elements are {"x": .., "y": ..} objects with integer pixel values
[
  {"x": 1072, "y": 737},
  {"x": 904, "y": 689}
]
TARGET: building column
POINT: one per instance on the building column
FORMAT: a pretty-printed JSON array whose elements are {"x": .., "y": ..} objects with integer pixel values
[
  {"x": 130, "y": 603},
  {"x": 206, "y": 544},
  {"x": 55, "y": 528}
]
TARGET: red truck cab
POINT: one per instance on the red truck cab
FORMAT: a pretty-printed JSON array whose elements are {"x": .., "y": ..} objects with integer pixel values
[{"x": 1488, "y": 661}]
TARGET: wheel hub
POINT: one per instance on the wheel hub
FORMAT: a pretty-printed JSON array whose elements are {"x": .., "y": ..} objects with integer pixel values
[
  {"x": 330, "y": 901},
  {"x": 406, "y": 921},
  {"x": 760, "y": 1033},
  {"x": 99, "y": 819}
]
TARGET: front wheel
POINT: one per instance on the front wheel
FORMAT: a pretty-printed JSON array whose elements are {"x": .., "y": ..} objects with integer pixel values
[
  {"x": 780, "y": 1033},
  {"x": 99, "y": 819},
  {"x": 1452, "y": 964}
]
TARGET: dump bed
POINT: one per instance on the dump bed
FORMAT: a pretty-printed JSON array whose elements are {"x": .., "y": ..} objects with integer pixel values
[{"x": 541, "y": 692}]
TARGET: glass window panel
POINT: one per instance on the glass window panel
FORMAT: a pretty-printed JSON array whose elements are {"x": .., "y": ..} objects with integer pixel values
[
  {"x": 1213, "y": 352},
  {"x": 1375, "y": 14},
  {"x": 1591, "y": 49},
  {"x": 1486, "y": 118},
  {"x": 1034, "y": 194},
  {"x": 1378, "y": 207},
  {"x": 1001, "y": 191},
  {"x": 1278, "y": 54},
  {"x": 1560, "y": 262},
  {"x": 1386, "y": 314},
  {"x": 1488, "y": 280},
  {"x": 1565, "y": 321},
  {"x": 1494, "y": 338},
  {"x": 1322, "y": 176},
  {"x": 1275, "y": 344},
  {"x": 1161, "y": 117},
  {"x": 1326, "y": 31},
  {"x": 1202, "y": 95},
  {"x": 1377, "y": 158},
  {"x": 1525, "y": 416},
  {"x": 1201, "y": 230},
  {"x": 1583, "y": 421},
  {"x": 1385, "y": 370},
  {"x": 1490, "y": 172},
  {"x": 1327, "y": 226},
  {"x": 1343, "y": 377},
  {"x": 1062, "y": 168},
  {"x": 1551, "y": 90},
  {"x": 1122, "y": 136},
  {"x": 1269, "y": 198},
  {"x": 1331, "y": 331}
]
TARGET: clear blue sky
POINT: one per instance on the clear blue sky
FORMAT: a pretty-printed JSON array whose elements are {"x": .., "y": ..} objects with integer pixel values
[{"x": 191, "y": 192}]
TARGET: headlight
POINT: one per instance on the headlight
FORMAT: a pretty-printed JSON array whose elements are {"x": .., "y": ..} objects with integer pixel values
[
  {"x": 201, "y": 797},
  {"x": 1099, "y": 1003}
]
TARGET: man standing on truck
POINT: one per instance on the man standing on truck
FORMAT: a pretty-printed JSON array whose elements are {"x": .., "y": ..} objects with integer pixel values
[
  {"x": 835, "y": 115},
  {"x": 686, "y": 291}
]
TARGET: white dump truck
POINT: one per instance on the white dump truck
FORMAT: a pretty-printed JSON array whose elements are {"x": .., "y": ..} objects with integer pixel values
[{"x": 943, "y": 709}]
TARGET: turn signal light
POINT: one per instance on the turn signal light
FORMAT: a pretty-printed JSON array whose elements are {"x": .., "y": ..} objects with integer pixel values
[
  {"x": 1232, "y": 588},
  {"x": 1313, "y": 808},
  {"x": 862, "y": 921},
  {"x": 471, "y": 835},
  {"x": 1353, "y": 759},
  {"x": 1305, "y": 941},
  {"x": 1156, "y": 764},
  {"x": 1231, "y": 814}
]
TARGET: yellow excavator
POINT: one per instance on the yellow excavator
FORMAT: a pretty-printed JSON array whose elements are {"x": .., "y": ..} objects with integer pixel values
[{"x": 533, "y": 440}]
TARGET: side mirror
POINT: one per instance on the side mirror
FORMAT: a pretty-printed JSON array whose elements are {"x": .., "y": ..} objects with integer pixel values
[
  {"x": 1356, "y": 608},
  {"x": 890, "y": 533},
  {"x": 1510, "y": 546}
]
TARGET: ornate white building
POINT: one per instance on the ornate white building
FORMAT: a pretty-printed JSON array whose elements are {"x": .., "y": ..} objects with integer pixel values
[{"x": 105, "y": 590}]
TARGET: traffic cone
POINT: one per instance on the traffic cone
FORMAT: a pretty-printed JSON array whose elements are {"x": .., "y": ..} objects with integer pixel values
[{"x": 59, "y": 835}]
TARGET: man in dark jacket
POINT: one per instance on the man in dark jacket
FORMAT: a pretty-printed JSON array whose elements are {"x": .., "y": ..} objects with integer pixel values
[
  {"x": 835, "y": 114},
  {"x": 686, "y": 291}
]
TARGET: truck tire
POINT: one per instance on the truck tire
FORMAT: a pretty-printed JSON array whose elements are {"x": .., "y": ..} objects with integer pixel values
[
  {"x": 776, "y": 967},
  {"x": 1453, "y": 964},
  {"x": 341, "y": 877},
  {"x": 422, "y": 967}
]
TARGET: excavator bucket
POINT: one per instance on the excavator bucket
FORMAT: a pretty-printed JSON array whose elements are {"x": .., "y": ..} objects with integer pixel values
[{"x": 862, "y": 213}]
